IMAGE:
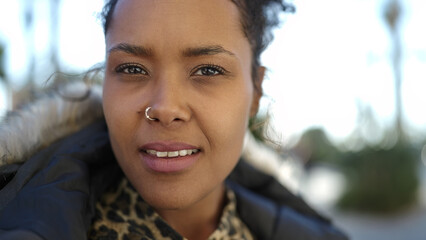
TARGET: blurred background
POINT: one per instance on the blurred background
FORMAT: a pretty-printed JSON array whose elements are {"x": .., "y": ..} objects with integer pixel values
[{"x": 345, "y": 98}]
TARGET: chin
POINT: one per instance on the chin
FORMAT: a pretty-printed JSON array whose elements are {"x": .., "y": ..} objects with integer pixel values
[{"x": 169, "y": 200}]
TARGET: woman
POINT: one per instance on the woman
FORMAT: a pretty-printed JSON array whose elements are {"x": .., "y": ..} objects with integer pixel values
[{"x": 182, "y": 80}]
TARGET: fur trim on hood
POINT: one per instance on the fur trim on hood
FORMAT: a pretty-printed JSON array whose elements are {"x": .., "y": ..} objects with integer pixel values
[
  {"x": 49, "y": 118},
  {"x": 60, "y": 113}
]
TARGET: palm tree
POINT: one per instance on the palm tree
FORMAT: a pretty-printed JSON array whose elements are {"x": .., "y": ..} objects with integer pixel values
[
  {"x": 29, "y": 28},
  {"x": 29, "y": 31},
  {"x": 2, "y": 71},
  {"x": 54, "y": 37},
  {"x": 392, "y": 14}
]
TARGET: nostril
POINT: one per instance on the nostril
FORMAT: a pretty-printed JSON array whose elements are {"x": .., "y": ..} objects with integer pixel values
[{"x": 166, "y": 114}]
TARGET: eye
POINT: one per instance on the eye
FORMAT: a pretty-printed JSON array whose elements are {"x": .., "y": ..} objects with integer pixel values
[
  {"x": 209, "y": 70},
  {"x": 131, "y": 68}
]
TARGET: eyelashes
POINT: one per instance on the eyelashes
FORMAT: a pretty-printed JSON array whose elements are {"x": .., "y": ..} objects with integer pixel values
[
  {"x": 131, "y": 68},
  {"x": 207, "y": 70}
]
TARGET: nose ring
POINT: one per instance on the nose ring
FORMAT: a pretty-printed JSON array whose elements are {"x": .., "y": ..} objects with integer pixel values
[{"x": 147, "y": 116}]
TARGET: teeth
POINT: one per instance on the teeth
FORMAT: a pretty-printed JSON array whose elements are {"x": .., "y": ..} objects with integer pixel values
[
  {"x": 183, "y": 153},
  {"x": 152, "y": 152},
  {"x": 173, "y": 154},
  {"x": 180, "y": 153},
  {"x": 161, "y": 154}
]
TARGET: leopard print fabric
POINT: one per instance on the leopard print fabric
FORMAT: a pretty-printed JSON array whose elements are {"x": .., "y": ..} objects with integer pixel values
[{"x": 122, "y": 214}]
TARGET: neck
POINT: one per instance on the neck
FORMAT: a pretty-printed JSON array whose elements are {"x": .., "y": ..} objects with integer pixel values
[{"x": 201, "y": 219}]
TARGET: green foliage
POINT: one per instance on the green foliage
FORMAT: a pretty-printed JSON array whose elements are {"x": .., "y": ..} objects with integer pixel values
[
  {"x": 380, "y": 180},
  {"x": 381, "y": 174},
  {"x": 315, "y": 147}
]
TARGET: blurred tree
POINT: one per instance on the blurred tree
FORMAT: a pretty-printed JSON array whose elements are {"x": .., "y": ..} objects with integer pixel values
[
  {"x": 3, "y": 78},
  {"x": 54, "y": 36},
  {"x": 384, "y": 179},
  {"x": 22, "y": 95},
  {"x": 32, "y": 82},
  {"x": 392, "y": 15},
  {"x": 2, "y": 70},
  {"x": 29, "y": 31},
  {"x": 380, "y": 180},
  {"x": 315, "y": 147}
]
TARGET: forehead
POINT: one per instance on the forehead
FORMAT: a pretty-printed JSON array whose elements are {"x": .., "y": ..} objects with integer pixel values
[
  {"x": 184, "y": 8},
  {"x": 180, "y": 20}
]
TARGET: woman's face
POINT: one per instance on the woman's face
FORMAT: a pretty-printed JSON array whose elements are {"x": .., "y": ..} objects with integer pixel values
[{"x": 190, "y": 62}]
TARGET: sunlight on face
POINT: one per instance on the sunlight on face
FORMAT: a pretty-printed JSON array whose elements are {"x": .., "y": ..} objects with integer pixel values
[{"x": 190, "y": 62}]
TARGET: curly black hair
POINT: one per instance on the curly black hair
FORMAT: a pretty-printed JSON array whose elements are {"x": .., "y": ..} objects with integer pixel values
[{"x": 258, "y": 18}]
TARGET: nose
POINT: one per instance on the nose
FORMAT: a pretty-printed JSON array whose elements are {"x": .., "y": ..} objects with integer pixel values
[{"x": 168, "y": 103}]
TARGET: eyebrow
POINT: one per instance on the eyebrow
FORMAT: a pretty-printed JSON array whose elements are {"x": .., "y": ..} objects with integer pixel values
[
  {"x": 206, "y": 50},
  {"x": 132, "y": 49},
  {"x": 189, "y": 52}
]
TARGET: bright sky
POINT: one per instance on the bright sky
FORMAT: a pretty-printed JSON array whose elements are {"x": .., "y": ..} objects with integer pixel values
[{"x": 326, "y": 59}]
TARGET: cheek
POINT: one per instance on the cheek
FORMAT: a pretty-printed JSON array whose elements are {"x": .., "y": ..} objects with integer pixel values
[
  {"x": 229, "y": 124},
  {"x": 121, "y": 127},
  {"x": 118, "y": 115},
  {"x": 118, "y": 105},
  {"x": 111, "y": 109},
  {"x": 108, "y": 99},
  {"x": 111, "y": 113}
]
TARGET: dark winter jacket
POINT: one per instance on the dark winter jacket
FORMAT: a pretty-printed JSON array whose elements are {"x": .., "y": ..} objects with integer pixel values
[{"x": 49, "y": 192}]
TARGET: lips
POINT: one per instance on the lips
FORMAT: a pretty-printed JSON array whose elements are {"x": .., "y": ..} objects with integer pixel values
[{"x": 166, "y": 157}]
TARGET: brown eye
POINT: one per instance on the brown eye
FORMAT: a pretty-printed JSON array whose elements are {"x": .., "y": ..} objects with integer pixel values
[
  {"x": 209, "y": 70},
  {"x": 130, "y": 68}
]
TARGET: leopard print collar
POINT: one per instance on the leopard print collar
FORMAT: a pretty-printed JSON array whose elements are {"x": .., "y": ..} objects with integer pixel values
[{"x": 122, "y": 214}]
